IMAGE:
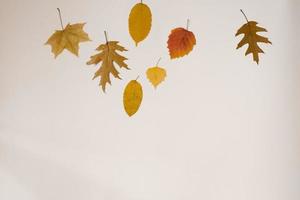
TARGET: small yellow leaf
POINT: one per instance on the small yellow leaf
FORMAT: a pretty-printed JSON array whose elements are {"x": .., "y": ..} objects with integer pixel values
[
  {"x": 132, "y": 97},
  {"x": 156, "y": 75},
  {"x": 68, "y": 38},
  {"x": 139, "y": 22}
]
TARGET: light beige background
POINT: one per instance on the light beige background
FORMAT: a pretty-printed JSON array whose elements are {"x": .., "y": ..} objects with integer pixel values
[{"x": 219, "y": 128}]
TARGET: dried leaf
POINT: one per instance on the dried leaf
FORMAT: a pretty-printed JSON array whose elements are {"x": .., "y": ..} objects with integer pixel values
[
  {"x": 132, "y": 97},
  {"x": 139, "y": 22},
  {"x": 68, "y": 38},
  {"x": 156, "y": 75},
  {"x": 181, "y": 42},
  {"x": 108, "y": 56},
  {"x": 251, "y": 38}
]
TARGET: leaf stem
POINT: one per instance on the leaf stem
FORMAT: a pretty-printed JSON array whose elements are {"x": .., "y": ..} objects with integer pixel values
[
  {"x": 141, "y": 1},
  {"x": 61, "y": 23},
  {"x": 250, "y": 32},
  {"x": 244, "y": 15},
  {"x": 158, "y": 61},
  {"x": 105, "y": 34},
  {"x": 137, "y": 77},
  {"x": 187, "y": 24}
]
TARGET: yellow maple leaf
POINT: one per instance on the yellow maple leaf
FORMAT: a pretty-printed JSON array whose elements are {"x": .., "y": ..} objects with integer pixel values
[
  {"x": 139, "y": 22},
  {"x": 68, "y": 38},
  {"x": 132, "y": 97},
  {"x": 108, "y": 56},
  {"x": 251, "y": 38},
  {"x": 156, "y": 74}
]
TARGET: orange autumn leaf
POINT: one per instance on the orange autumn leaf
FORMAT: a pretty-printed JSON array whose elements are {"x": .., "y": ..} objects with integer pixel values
[{"x": 181, "y": 42}]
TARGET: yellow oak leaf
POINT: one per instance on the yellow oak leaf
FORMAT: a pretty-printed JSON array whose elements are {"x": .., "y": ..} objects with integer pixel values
[
  {"x": 132, "y": 97},
  {"x": 108, "y": 56},
  {"x": 68, "y": 38},
  {"x": 139, "y": 22},
  {"x": 251, "y": 38},
  {"x": 156, "y": 75}
]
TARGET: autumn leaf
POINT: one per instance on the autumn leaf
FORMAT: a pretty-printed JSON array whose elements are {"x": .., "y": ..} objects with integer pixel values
[
  {"x": 156, "y": 74},
  {"x": 251, "y": 38},
  {"x": 67, "y": 38},
  {"x": 139, "y": 22},
  {"x": 132, "y": 97},
  {"x": 181, "y": 42},
  {"x": 109, "y": 57}
]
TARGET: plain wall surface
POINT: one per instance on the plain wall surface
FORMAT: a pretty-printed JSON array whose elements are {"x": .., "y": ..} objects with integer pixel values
[{"x": 218, "y": 128}]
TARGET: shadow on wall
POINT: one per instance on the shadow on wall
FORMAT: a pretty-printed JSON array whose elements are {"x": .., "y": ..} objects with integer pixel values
[
  {"x": 50, "y": 181},
  {"x": 294, "y": 6}
]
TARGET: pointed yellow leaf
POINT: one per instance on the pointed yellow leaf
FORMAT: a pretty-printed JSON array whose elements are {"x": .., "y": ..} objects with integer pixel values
[
  {"x": 139, "y": 22},
  {"x": 132, "y": 97},
  {"x": 68, "y": 38},
  {"x": 156, "y": 75},
  {"x": 251, "y": 38},
  {"x": 108, "y": 56}
]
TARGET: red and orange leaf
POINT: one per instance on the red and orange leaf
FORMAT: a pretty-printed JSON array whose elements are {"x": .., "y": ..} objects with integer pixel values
[{"x": 181, "y": 42}]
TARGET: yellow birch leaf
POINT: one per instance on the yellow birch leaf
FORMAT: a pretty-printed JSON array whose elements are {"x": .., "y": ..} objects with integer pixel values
[
  {"x": 132, "y": 97},
  {"x": 156, "y": 75},
  {"x": 68, "y": 38},
  {"x": 139, "y": 22}
]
